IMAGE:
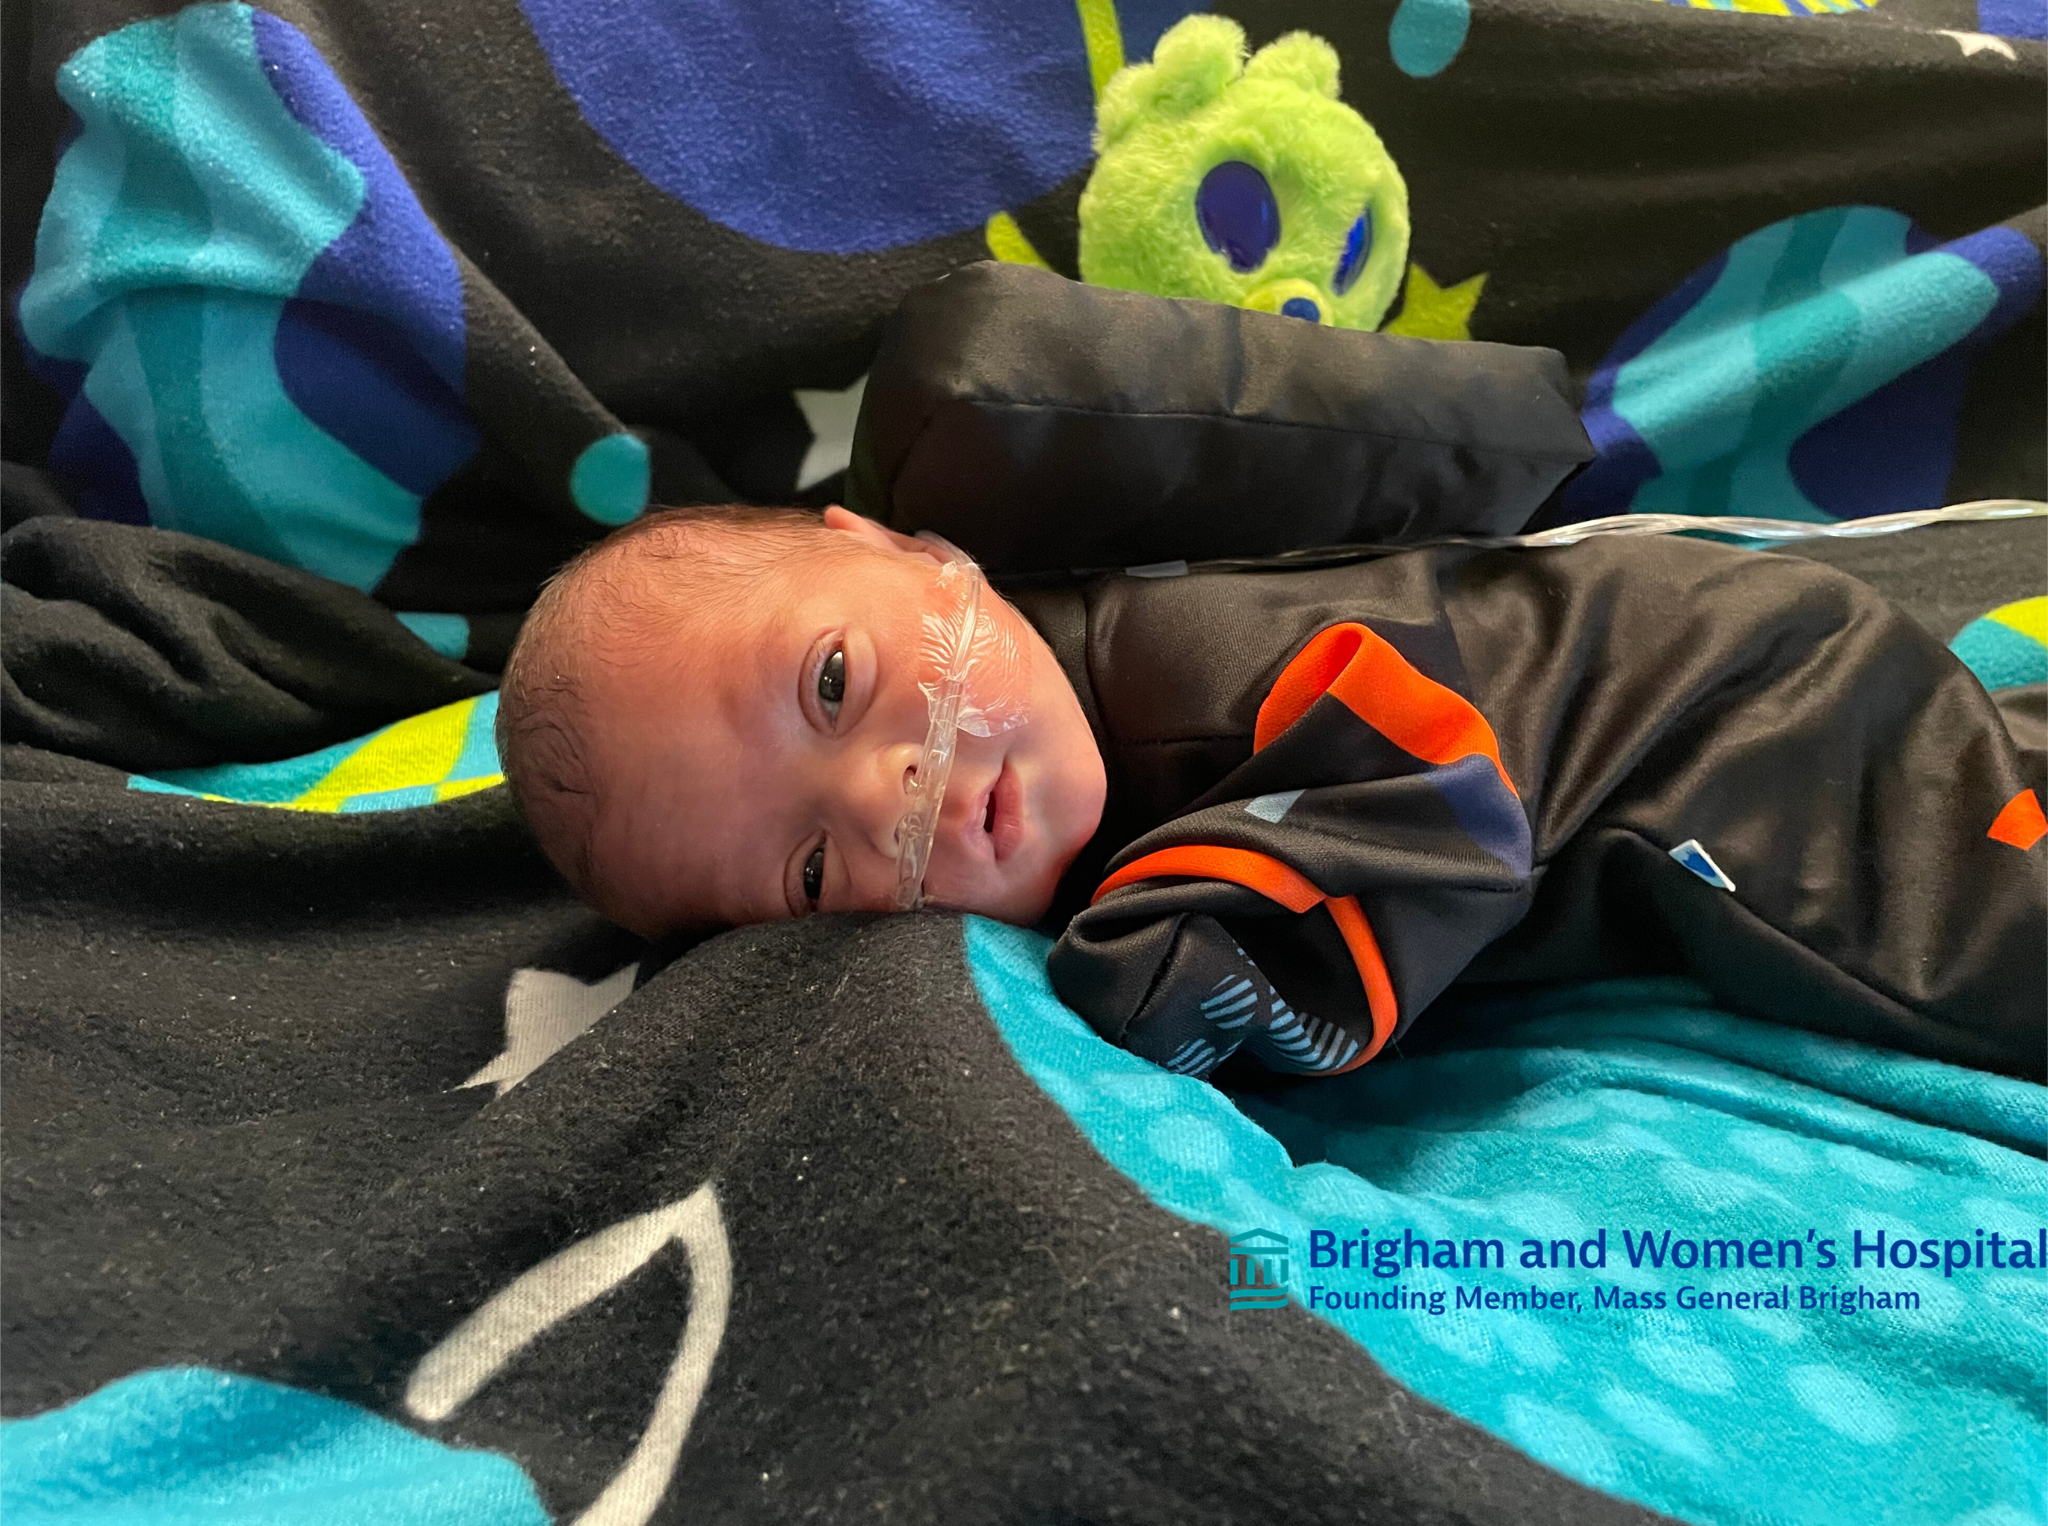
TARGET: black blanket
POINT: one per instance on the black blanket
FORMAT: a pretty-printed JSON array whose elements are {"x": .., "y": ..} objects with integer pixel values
[{"x": 235, "y": 1035}]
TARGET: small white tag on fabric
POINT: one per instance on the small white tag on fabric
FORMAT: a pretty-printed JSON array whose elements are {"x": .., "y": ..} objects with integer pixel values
[
  {"x": 1700, "y": 862},
  {"x": 1271, "y": 808}
]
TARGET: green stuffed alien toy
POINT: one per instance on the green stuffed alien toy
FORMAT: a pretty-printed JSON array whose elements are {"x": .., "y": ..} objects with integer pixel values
[{"x": 1243, "y": 181}]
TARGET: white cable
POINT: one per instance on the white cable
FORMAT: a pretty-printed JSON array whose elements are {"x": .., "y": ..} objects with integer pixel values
[{"x": 1768, "y": 529}]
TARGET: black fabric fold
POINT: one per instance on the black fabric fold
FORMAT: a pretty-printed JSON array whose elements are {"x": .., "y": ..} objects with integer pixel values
[{"x": 146, "y": 649}]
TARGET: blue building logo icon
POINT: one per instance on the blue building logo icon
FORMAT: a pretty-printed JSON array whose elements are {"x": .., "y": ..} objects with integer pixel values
[{"x": 1258, "y": 1269}]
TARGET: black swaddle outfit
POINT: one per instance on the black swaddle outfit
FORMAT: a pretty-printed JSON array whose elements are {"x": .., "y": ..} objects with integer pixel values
[{"x": 1336, "y": 788}]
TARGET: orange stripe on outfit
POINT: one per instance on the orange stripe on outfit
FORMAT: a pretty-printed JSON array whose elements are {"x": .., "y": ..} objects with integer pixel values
[
  {"x": 1359, "y": 668},
  {"x": 2022, "y": 823},
  {"x": 1240, "y": 866},
  {"x": 1356, "y": 666},
  {"x": 1305, "y": 680}
]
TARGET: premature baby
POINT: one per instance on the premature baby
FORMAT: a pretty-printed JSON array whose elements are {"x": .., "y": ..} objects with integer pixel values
[
  {"x": 712, "y": 717},
  {"x": 1279, "y": 811}
]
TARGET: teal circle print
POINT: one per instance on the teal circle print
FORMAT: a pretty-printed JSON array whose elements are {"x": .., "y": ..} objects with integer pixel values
[
  {"x": 1426, "y": 35},
  {"x": 610, "y": 479}
]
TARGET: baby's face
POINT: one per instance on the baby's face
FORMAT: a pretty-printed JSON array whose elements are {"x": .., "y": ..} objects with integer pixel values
[{"x": 757, "y": 770}]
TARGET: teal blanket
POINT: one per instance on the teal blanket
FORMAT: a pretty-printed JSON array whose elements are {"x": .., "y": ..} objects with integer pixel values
[{"x": 1601, "y": 1118}]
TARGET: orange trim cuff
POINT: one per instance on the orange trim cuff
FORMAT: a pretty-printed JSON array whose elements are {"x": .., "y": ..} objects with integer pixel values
[{"x": 1292, "y": 889}]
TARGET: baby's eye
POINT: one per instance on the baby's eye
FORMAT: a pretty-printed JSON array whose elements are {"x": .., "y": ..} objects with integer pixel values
[
  {"x": 832, "y": 682},
  {"x": 814, "y": 872}
]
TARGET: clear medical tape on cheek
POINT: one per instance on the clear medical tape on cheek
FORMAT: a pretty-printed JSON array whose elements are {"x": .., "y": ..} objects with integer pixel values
[{"x": 971, "y": 674}]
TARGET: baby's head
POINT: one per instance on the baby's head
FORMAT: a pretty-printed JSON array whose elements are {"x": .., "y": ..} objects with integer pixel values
[{"x": 711, "y": 718}]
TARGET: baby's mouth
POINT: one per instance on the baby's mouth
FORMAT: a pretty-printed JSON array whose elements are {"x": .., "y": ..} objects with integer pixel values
[{"x": 1003, "y": 814}]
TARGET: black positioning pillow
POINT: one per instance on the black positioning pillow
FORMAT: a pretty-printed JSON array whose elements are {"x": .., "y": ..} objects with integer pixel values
[{"x": 1041, "y": 423}]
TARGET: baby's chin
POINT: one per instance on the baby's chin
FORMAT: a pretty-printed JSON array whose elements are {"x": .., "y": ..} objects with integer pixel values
[
  {"x": 1022, "y": 900},
  {"x": 1018, "y": 912},
  {"x": 1019, "y": 906}
]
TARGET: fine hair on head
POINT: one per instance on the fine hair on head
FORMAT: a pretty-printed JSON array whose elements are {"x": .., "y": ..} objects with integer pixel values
[{"x": 625, "y": 599}]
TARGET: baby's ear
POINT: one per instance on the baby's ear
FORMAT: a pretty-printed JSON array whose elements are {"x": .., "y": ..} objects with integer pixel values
[
  {"x": 1195, "y": 62},
  {"x": 1298, "y": 58},
  {"x": 880, "y": 536}
]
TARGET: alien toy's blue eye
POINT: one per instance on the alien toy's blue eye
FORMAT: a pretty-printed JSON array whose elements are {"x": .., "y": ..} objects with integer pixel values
[
  {"x": 1357, "y": 250},
  {"x": 1238, "y": 214}
]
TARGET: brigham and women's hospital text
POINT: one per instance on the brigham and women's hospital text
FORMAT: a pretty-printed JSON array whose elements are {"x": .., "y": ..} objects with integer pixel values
[{"x": 1657, "y": 1250}]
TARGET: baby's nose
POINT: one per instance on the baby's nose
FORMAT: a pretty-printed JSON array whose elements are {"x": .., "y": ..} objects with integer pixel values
[{"x": 885, "y": 794}]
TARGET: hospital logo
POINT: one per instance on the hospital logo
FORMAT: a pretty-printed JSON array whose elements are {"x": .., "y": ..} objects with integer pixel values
[{"x": 1258, "y": 1270}]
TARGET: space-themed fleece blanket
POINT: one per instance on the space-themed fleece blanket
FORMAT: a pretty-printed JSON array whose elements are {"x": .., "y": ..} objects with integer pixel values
[
  {"x": 419, "y": 297},
  {"x": 352, "y": 1171}
]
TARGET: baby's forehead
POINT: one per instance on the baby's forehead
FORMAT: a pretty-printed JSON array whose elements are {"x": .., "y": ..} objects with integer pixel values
[
  {"x": 679, "y": 630},
  {"x": 706, "y": 638},
  {"x": 717, "y": 568},
  {"x": 662, "y": 591}
]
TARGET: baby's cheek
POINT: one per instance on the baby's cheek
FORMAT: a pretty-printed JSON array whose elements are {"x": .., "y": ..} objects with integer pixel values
[
  {"x": 997, "y": 693},
  {"x": 1075, "y": 785},
  {"x": 672, "y": 897}
]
